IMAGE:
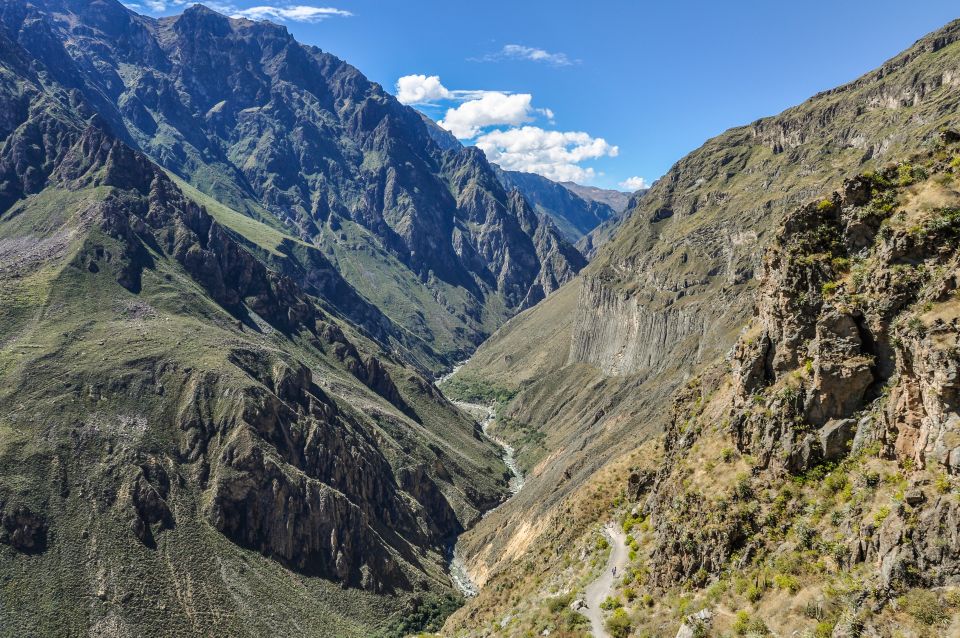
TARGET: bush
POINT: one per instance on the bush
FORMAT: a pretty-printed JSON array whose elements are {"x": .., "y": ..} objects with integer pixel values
[
  {"x": 925, "y": 606},
  {"x": 558, "y": 603},
  {"x": 611, "y": 603},
  {"x": 787, "y": 582},
  {"x": 743, "y": 490},
  {"x": 754, "y": 593},
  {"x": 619, "y": 624},
  {"x": 825, "y": 205},
  {"x": 727, "y": 454},
  {"x": 881, "y": 515}
]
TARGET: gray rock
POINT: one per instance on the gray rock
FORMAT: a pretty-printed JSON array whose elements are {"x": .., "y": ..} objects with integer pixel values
[
  {"x": 914, "y": 497},
  {"x": 700, "y": 620},
  {"x": 835, "y": 438},
  {"x": 866, "y": 434}
]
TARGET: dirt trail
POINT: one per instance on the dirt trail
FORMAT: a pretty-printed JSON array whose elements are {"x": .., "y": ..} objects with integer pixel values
[{"x": 597, "y": 591}]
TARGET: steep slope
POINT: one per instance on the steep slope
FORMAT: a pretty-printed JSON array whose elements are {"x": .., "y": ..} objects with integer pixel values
[
  {"x": 619, "y": 201},
  {"x": 190, "y": 443},
  {"x": 673, "y": 289},
  {"x": 574, "y": 215},
  {"x": 808, "y": 484},
  {"x": 302, "y": 141}
]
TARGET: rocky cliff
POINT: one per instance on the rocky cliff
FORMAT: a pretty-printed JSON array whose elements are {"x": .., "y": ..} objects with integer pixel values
[
  {"x": 300, "y": 140},
  {"x": 843, "y": 385},
  {"x": 195, "y": 436},
  {"x": 671, "y": 292}
]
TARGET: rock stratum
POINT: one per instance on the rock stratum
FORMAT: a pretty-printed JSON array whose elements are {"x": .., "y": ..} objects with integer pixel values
[
  {"x": 230, "y": 264},
  {"x": 668, "y": 298}
]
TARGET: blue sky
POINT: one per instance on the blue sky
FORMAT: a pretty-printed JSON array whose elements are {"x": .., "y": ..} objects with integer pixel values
[{"x": 600, "y": 92}]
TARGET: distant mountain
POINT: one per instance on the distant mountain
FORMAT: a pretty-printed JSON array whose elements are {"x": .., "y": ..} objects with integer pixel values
[
  {"x": 617, "y": 200},
  {"x": 573, "y": 214},
  {"x": 295, "y": 137},
  {"x": 229, "y": 267}
]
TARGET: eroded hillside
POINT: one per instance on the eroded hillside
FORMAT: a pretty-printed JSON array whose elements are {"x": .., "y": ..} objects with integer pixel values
[{"x": 671, "y": 293}]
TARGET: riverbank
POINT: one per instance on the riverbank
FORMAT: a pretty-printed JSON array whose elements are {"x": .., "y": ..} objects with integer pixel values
[{"x": 485, "y": 416}]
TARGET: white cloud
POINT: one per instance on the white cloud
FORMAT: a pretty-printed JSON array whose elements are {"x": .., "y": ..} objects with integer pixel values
[
  {"x": 554, "y": 154},
  {"x": 492, "y": 109},
  {"x": 422, "y": 89},
  {"x": 294, "y": 13},
  {"x": 282, "y": 12},
  {"x": 522, "y": 52},
  {"x": 634, "y": 184}
]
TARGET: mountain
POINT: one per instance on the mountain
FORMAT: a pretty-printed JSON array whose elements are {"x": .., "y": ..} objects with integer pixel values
[
  {"x": 617, "y": 200},
  {"x": 301, "y": 141},
  {"x": 573, "y": 214},
  {"x": 230, "y": 265},
  {"x": 650, "y": 322}
]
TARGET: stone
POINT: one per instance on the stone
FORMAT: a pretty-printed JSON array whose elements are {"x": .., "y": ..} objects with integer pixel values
[
  {"x": 865, "y": 435},
  {"x": 914, "y": 497},
  {"x": 836, "y": 437},
  {"x": 696, "y": 624}
]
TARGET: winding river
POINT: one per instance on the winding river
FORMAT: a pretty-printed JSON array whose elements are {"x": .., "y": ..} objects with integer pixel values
[{"x": 485, "y": 415}]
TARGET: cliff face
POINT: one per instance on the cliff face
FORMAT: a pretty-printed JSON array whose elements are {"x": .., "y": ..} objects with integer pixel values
[
  {"x": 297, "y": 138},
  {"x": 672, "y": 291},
  {"x": 845, "y": 385},
  {"x": 693, "y": 239},
  {"x": 188, "y": 418}
]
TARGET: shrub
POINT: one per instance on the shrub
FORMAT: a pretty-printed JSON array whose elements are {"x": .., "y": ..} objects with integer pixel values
[
  {"x": 787, "y": 582},
  {"x": 602, "y": 543},
  {"x": 619, "y": 624},
  {"x": 754, "y": 593},
  {"x": 925, "y": 606},
  {"x": 824, "y": 629},
  {"x": 741, "y": 623},
  {"x": 942, "y": 483},
  {"x": 743, "y": 490},
  {"x": 829, "y": 288},
  {"x": 727, "y": 454},
  {"x": 840, "y": 264},
  {"x": 558, "y": 603},
  {"x": 825, "y": 205},
  {"x": 611, "y": 603},
  {"x": 881, "y": 515}
]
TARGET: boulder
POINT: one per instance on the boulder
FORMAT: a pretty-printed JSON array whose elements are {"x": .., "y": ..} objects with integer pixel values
[{"x": 836, "y": 437}]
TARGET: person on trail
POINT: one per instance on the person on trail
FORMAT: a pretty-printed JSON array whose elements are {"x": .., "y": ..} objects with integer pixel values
[{"x": 614, "y": 570}]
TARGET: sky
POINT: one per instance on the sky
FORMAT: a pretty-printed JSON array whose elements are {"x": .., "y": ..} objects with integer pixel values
[{"x": 606, "y": 93}]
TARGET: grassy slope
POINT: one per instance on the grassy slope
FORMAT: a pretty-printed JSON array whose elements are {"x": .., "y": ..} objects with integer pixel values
[
  {"x": 77, "y": 353},
  {"x": 726, "y": 198}
]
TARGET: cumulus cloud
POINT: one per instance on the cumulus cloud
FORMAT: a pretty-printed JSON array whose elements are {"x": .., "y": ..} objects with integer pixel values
[
  {"x": 492, "y": 109},
  {"x": 294, "y": 13},
  {"x": 522, "y": 52},
  {"x": 281, "y": 12},
  {"x": 634, "y": 184},
  {"x": 422, "y": 89},
  {"x": 500, "y": 124},
  {"x": 554, "y": 154}
]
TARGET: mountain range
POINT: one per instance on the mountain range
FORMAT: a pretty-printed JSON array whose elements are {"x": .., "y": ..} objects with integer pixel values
[{"x": 232, "y": 270}]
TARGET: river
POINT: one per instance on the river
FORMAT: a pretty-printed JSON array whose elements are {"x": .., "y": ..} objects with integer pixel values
[{"x": 485, "y": 415}]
